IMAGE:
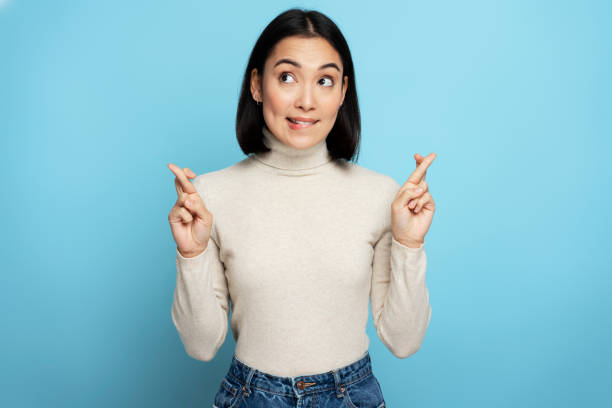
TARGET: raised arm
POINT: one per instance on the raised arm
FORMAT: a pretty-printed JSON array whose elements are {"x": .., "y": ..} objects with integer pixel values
[
  {"x": 399, "y": 295},
  {"x": 200, "y": 306}
]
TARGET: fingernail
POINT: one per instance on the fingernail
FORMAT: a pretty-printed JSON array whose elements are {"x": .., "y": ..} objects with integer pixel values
[
  {"x": 188, "y": 203},
  {"x": 419, "y": 189}
]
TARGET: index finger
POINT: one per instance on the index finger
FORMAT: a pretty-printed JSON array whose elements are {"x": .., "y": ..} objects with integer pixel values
[
  {"x": 182, "y": 179},
  {"x": 419, "y": 173}
]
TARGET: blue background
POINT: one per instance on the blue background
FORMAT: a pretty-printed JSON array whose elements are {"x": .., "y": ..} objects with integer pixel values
[{"x": 514, "y": 97}]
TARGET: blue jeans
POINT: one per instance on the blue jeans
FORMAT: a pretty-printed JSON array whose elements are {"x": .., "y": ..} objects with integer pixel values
[{"x": 351, "y": 386}]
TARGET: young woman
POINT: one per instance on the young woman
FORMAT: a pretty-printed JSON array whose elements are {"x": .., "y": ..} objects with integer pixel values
[{"x": 302, "y": 237}]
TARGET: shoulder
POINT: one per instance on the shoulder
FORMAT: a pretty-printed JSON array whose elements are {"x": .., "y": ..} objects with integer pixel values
[
  {"x": 214, "y": 183},
  {"x": 377, "y": 191},
  {"x": 373, "y": 181}
]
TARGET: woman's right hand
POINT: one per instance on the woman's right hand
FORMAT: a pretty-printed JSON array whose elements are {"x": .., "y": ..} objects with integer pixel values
[{"x": 189, "y": 219}]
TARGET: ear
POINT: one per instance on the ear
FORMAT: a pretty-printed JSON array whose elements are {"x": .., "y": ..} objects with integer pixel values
[
  {"x": 344, "y": 87},
  {"x": 255, "y": 85}
]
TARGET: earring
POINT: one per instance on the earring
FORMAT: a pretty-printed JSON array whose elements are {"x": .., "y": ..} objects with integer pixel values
[{"x": 258, "y": 103}]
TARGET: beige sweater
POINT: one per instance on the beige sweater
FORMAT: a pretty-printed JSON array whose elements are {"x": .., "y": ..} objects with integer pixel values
[{"x": 299, "y": 244}]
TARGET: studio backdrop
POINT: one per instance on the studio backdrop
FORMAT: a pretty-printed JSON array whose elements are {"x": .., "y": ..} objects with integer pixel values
[{"x": 97, "y": 97}]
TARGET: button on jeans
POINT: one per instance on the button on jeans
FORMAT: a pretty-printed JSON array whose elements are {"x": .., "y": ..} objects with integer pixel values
[{"x": 352, "y": 386}]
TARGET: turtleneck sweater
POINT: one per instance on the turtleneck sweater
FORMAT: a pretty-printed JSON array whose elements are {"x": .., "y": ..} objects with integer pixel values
[{"x": 300, "y": 244}]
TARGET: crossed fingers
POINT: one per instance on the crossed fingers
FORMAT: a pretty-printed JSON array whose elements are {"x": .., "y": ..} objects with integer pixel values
[
  {"x": 418, "y": 174},
  {"x": 181, "y": 182},
  {"x": 417, "y": 199}
]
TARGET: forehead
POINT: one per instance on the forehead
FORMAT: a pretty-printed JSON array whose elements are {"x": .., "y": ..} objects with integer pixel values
[{"x": 308, "y": 52}]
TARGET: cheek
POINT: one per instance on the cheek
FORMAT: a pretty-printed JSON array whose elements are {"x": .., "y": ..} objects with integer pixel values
[
  {"x": 277, "y": 99},
  {"x": 331, "y": 105}
]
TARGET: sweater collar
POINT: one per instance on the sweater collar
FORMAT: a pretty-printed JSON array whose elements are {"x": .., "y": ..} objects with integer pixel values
[{"x": 287, "y": 157}]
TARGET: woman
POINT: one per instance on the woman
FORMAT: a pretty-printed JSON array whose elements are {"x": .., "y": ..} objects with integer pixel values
[{"x": 302, "y": 238}]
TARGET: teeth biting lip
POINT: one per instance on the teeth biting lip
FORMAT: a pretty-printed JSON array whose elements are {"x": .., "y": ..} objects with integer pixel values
[{"x": 302, "y": 122}]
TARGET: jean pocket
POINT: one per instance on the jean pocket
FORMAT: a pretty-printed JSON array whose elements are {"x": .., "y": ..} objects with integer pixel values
[
  {"x": 365, "y": 393},
  {"x": 227, "y": 394}
]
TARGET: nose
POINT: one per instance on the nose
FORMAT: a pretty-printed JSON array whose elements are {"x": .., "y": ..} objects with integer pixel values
[{"x": 305, "y": 99}]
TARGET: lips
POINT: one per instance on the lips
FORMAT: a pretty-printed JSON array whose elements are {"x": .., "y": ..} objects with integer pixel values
[{"x": 302, "y": 121}]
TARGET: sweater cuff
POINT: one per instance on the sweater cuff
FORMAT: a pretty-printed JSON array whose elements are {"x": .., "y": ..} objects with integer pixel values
[
  {"x": 403, "y": 247},
  {"x": 194, "y": 259}
]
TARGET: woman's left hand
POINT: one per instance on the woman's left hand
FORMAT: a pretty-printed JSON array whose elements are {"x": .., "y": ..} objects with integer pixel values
[{"x": 412, "y": 210}]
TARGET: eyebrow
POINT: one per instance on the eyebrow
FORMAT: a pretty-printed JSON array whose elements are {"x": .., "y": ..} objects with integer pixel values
[{"x": 292, "y": 62}]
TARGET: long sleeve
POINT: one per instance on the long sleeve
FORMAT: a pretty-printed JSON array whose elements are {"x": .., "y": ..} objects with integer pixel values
[
  {"x": 399, "y": 295},
  {"x": 200, "y": 308}
]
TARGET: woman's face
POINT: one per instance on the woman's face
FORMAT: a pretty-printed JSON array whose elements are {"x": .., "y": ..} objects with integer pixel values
[{"x": 302, "y": 80}]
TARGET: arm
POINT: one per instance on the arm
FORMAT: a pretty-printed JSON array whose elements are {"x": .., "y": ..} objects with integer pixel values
[
  {"x": 399, "y": 295},
  {"x": 200, "y": 308}
]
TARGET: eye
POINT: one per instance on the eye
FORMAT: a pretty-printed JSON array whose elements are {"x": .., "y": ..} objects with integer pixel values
[
  {"x": 284, "y": 75},
  {"x": 331, "y": 82}
]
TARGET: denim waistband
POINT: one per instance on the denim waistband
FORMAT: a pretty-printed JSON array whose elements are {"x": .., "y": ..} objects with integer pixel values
[{"x": 302, "y": 385}]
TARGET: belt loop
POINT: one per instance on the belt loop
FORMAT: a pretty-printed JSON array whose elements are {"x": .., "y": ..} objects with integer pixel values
[
  {"x": 246, "y": 388},
  {"x": 337, "y": 379}
]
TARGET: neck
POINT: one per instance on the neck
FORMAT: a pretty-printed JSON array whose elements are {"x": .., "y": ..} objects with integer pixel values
[{"x": 285, "y": 157}]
